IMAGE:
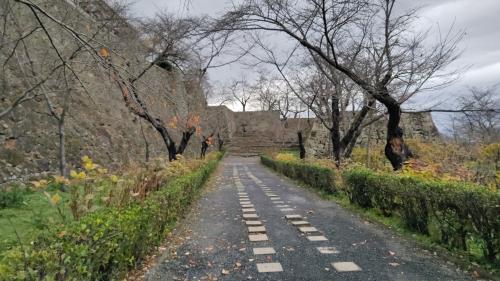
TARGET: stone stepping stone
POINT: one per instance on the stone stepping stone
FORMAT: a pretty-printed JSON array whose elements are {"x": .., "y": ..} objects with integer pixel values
[
  {"x": 317, "y": 238},
  {"x": 308, "y": 229},
  {"x": 300, "y": 223},
  {"x": 248, "y": 210},
  {"x": 247, "y": 205},
  {"x": 253, "y": 222},
  {"x": 245, "y": 201},
  {"x": 250, "y": 216},
  {"x": 345, "y": 266},
  {"x": 328, "y": 250},
  {"x": 269, "y": 267},
  {"x": 293, "y": 217},
  {"x": 257, "y": 237},
  {"x": 283, "y": 206},
  {"x": 278, "y": 202},
  {"x": 242, "y": 193},
  {"x": 275, "y": 198},
  {"x": 256, "y": 229},
  {"x": 264, "y": 251},
  {"x": 287, "y": 209}
]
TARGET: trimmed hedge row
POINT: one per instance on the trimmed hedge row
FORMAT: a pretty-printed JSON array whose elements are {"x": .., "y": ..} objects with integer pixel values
[
  {"x": 462, "y": 212},
  {"x": 313, "y": 175},
  {"x": 105, "y": 244}
]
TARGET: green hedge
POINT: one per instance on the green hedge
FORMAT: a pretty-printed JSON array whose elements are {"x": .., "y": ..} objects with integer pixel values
[
  {"x": 462, "y": 212},
  {"x": 313, "y": 175},
  {"x": 105, "y": 244}
]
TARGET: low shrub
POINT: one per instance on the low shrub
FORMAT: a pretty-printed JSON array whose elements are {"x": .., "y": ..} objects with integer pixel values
[
  {"x": 309, "y": 173},
  {"x": 105, "y": 244},
  {"x": 11, "y": 197},
  {"x": 462, "y": 212}
]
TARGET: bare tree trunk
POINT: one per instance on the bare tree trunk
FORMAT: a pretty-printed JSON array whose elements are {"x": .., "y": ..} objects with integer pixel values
[
  {"x": 395, "y": 148},
  {"x": 146, "y": 143},
  {"x": 186, "y": 136},
  {"x": 301, "y": 146},
  {"x": 335, "y": 130},
  {"x": 62, "y": 148}
]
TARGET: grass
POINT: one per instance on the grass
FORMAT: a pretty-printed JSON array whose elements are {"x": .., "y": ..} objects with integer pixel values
[{"x": 34, "y": 214}]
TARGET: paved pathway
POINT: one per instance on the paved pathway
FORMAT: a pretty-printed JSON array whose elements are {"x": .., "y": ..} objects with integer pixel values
[{"x": 254, "y": 225}]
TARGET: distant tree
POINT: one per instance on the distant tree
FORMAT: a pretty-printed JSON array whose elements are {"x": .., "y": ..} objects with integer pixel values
[
  {"x": 479, "y": 120},
  {"x": 376, "y": 48}
]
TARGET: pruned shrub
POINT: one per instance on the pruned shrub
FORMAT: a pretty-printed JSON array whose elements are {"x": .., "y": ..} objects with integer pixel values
[
  {"x": 105, "y": 244},
  {"x": 311, "y": 174},
  {"x": 461, "y": 211}
]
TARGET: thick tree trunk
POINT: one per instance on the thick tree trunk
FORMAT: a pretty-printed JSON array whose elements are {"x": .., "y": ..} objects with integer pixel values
[
  {"x": 301, "y": 146},
  {"x": 335, "y": 130},
  {"x": 186, "y": 136},
  {"x": 169, "y": 143},
  {"x": 395, "y": 149}
]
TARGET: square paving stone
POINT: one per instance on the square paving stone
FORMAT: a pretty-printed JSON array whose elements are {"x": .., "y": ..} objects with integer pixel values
[
  {"x": 256, "y": 229},
  {"x": 269, "y": 267},
  {"x": 248, "y": 210},
  {"x": 264, "y": 251},
  {"x": 287, "y": 209},
  {"x": 300, "y": 223},
  {"x": 250, "y": 216},
  {"x": 293, "y": 217},
  {"x": 328, "y": 250},
  {"x": 306, "y": 229},
  {"x": 345, "y": 266},
  {"x": 257, "y": 237},
  {"x": 253, "y": 222},
  {"x": 317, "y": 238}
]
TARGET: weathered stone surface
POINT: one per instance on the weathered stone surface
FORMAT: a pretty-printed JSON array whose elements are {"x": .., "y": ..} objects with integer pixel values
[
  {"x": 345, "y": 266},
  {"x": 257, "y": 237},
  {"x": 264, "y": 251},
  {"x": 269, "y": 267}
]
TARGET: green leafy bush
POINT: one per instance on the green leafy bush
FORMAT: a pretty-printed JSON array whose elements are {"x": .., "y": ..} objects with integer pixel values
[
  {"x": 105, "y": 244},
  {"x": 463, "y": 212},
  {"x": 311, "y": 174}
]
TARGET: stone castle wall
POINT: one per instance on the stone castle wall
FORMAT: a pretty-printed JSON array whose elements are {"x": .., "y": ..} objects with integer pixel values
[
  {"x": 415, "y": 126},
  {"x": 98, "y": 123}
]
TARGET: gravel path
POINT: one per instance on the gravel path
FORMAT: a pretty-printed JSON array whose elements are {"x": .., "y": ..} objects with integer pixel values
[{"x": 253, "y": 225}]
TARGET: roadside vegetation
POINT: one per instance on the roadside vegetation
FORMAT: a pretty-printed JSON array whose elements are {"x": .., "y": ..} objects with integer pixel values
[
  {"x": 94, "y": 225},
  {"x": 447, "y": 196}
]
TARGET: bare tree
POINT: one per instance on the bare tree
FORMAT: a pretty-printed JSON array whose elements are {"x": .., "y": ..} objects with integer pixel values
[
  {"x": 366, "y": 41},
  {"x": 240, "y": 91},
  {"x": 479, "y": 119}
]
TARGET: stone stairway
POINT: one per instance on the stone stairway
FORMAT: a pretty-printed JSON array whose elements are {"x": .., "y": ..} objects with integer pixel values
[{"x": 253, "y": 145}]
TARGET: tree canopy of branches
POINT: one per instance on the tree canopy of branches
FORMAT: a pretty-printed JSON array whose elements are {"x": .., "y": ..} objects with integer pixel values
[
  {"x": 479, "y": 116},
  {"x": 382, "y": 52}
]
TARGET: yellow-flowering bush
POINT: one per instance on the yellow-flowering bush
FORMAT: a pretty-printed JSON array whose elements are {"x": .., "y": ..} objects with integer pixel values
[{"x": 282, "y": 156}]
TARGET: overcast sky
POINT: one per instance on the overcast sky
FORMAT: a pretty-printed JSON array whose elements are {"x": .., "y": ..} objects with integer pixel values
[{"x": 479, "y": 18}]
